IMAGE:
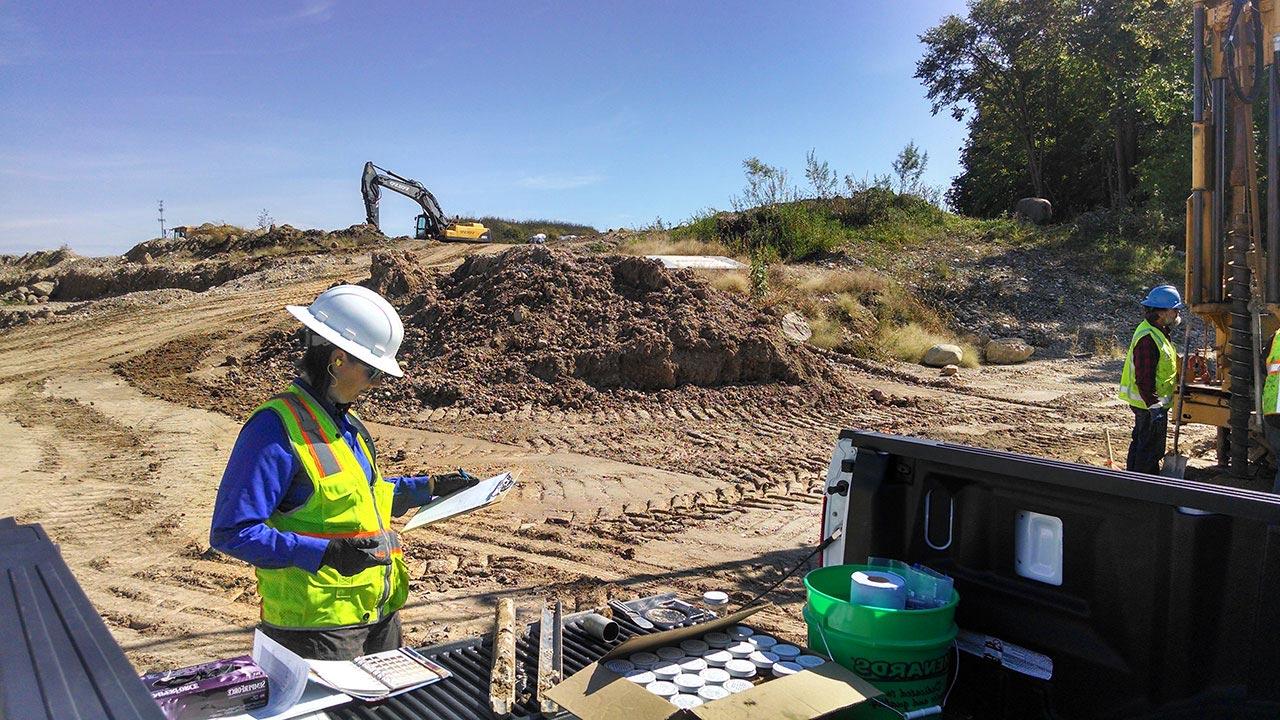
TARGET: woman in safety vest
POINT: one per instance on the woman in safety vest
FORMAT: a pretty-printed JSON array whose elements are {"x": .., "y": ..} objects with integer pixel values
[
  {"x": 302, "y": 498},
  {"x": 1148, "y": 379}
]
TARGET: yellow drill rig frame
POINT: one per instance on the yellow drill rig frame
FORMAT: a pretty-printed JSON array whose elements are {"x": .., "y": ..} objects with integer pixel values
[{"x": 1232, "y": 238}]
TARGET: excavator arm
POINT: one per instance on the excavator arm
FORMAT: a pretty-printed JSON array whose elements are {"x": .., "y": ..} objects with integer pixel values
[{"x": 375, "y": 178}]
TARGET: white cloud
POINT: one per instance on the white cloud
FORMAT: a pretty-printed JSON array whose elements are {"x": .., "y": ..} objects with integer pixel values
[
  {"x": 308, "y": 13},
  {"x": 559, "y": 182}
]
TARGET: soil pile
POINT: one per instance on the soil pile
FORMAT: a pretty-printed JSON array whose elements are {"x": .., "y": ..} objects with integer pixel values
[
  {"x": 540, "y": 326},
  {"x": 212, "y": 241}
]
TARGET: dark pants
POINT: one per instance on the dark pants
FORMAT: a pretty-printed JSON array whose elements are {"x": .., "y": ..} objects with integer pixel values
[
  {"x": 343, "y": 644},
  {"x": 1273, "y": 438},
  {"x": 1147, "y": 446}
]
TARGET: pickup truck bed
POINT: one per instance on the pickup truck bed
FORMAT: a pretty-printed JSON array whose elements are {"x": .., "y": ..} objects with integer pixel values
[{"x": 1169, "y": 598}]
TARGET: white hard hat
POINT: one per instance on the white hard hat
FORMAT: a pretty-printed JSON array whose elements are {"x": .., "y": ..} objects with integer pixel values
[{"x": 358, "y": 320}]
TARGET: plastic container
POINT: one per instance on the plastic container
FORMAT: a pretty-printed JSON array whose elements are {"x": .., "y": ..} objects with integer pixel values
[
  {"x": 762, "y": 642},
  {"x": 737, "y": 685},
  {"x": 906, "y": 654}
]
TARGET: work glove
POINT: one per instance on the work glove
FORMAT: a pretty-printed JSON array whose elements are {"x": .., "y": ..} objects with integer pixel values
[
  {"x": 351, "y": 555},
  {"x": 1159, "y": 413},
  {"x": 452, "y": 482}
]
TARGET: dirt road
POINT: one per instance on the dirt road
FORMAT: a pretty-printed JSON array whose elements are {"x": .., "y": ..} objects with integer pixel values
[{"x": 694, "y": 491}]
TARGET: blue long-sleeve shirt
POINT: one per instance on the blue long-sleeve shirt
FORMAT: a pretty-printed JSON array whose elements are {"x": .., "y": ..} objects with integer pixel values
[{"x": 263, "y": 475}]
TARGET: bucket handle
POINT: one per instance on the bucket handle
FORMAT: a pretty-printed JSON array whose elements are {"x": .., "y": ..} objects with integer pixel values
[{"x": 951, "y": 520}]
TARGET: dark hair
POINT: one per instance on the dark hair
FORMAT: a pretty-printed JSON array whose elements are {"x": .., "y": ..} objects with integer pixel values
[
  {"x": 314, "y": 364},
  {"x": 1152, "y": 314}
]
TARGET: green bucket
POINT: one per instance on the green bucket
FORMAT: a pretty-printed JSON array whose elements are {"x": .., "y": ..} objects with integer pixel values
[{"x": 906, "y": 654}]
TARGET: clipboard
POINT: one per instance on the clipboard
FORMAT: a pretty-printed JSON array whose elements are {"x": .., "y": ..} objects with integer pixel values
[{"x": 486, "y": 492}]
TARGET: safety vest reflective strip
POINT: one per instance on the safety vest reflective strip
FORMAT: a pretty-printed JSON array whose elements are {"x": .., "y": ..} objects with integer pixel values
[{"x": 309, "y": 425}]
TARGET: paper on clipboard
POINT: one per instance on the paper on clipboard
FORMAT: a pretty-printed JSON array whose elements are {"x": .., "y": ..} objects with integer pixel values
[{"x": 484, "y": 493}]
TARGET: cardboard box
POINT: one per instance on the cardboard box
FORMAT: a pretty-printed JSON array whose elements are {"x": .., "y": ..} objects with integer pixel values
[{"x": 597, "y": 693}]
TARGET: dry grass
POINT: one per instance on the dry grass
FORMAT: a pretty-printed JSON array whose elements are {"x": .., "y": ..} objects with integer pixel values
[
  {"x": 661, "y": 243},
  {"x": 843, "y": 281},
  {"x": 730, "y": 281},
  {"x": 910, "y": 342}
]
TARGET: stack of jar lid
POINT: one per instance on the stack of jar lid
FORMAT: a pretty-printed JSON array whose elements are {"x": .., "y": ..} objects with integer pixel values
[{"x": 718, "y": 665}]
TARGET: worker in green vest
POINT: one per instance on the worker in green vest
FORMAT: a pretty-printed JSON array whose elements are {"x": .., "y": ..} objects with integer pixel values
[
  {"x": 303, "y": 498},
  {"x": 1149, "y": 378},
  {"x": 1271, "y": 406}
]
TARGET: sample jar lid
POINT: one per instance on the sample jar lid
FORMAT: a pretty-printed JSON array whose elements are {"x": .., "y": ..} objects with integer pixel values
[
  {"x": 694, "y": 647},
  {"x": 786, "y": 668},
  {"x": 740, "y": 668},
  {"x": 620, "y": 666},
  {"x": 670, "y": 653},
  {"x": 692, "y": 664},
  {"x": 640, "y": 677},
  {"x": 740, "y": 632},
  {"x": 764, "y": 642},
  {"x": 717, "y": 639},
  {"x": 762, "y": 659},
  {"x": 712, "y": 692},
  {"x": 644, "y": 659},
  {"x": 666, "y": 670},
  {"x": 685, "y": 701},
  {"x": 737, "y": 685},
  {"x": 714, "y": 676},
  {"x": 718, "y": 658},
  {"x": 662, "y": 687},
  {"x": 786, "y": 652},
  {"x": 715, "y": 597},
  {"x": 688, "y": 682},
  {"x": 741, "y": 650},
  {"x": 810, "y": 661}
]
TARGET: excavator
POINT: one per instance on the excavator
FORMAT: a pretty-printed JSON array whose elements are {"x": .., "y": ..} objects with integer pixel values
[
  {"x": 1233, "y": 222},
  {"x": 431, "y": 224}
]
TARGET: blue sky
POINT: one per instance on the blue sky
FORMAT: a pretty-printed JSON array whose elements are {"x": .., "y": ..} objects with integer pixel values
[{"x": 606, "y": 113}]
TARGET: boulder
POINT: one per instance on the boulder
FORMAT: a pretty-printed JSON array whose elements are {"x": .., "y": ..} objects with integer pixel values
[
  {"x": 943, "y": 355},
  {"x": 43, "y": 288},
  {"x": 1034, "y": 210},
  {"x": 949, "y": 370},
  {"x": 1008, "y": 351}
]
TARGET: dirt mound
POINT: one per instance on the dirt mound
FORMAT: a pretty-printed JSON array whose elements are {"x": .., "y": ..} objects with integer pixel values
[
  {"x": 540, "y": 326},
  {"x": 212, "y": 241}
]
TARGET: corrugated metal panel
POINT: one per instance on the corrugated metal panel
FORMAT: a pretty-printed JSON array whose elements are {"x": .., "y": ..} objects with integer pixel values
[{"x": 58, "y": 661}]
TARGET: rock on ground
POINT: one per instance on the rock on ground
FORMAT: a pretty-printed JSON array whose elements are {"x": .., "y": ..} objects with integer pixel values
[
  {"x": 1007, "y": 351},
  {"x": 943, "y": 355}
]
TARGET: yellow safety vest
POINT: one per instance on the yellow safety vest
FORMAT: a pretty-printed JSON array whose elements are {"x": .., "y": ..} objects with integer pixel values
[
  {"x": 343, "y": 504},
  {"x": 1166, "y": 369},
  {"x": 1271, "y": 388}
]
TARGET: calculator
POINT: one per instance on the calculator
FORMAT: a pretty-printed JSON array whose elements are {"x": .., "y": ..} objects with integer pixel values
[{"x": 400, "y": 668}]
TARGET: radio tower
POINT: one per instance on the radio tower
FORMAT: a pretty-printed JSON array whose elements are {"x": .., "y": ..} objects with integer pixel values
[{"x": 161, "y": 218}]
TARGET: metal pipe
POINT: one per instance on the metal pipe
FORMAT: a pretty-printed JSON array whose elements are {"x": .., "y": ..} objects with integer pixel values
[
  {"x": 1197, "y": 82},
  {"x": 1271, "y": 256},
  {"x": 1217, "y": 259}
]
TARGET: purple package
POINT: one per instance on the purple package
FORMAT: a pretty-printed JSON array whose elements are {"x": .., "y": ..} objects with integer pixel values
[{"x": 212, "y": 690}]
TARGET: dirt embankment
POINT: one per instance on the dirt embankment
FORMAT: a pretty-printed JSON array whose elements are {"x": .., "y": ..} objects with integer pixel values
[
  {"x": 209, "y": 241},
  {"x": 554, "y": 327}
]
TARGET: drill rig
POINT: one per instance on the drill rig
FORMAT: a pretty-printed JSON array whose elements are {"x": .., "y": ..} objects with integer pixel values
[
  {"x": 1233, "y": 235},
  {"x": 431, "y": 224}
]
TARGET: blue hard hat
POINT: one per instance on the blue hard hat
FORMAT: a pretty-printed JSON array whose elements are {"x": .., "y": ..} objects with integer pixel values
[{"x": 1165, "y": 297}]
